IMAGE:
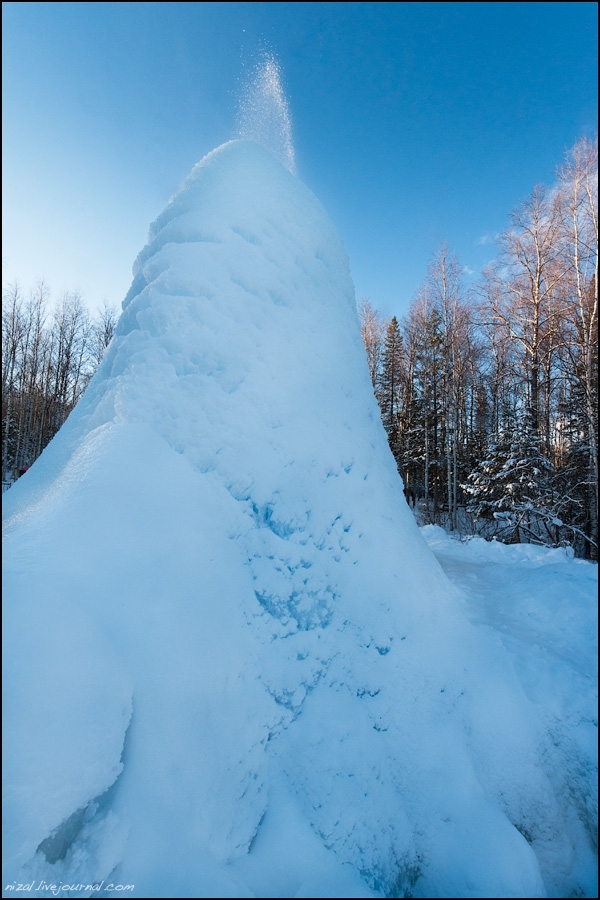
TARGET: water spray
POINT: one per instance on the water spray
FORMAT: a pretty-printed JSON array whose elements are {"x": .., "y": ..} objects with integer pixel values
[{"x": 263, "y": 112}]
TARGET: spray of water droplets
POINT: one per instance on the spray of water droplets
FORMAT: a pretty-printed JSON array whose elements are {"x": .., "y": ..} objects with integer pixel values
[{"x": 263, "y": 114}]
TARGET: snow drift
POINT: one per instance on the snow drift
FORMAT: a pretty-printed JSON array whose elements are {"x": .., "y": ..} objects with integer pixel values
[{"x": 233, "y": 667}]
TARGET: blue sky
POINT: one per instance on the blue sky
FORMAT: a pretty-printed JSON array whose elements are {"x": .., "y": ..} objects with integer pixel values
[{"x": 414, "y": 124}]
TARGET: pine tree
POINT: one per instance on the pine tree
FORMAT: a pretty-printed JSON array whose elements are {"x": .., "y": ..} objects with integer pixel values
[
  {"x": 428, "y": 382},
  {"x": 390, "y": 384},
  {"x": 513, "y": 486}
]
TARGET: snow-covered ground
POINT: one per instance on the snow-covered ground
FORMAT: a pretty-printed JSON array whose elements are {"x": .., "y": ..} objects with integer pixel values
[
  {"x": 233, "y": 665},
  {"x": 542, "y": 605}
]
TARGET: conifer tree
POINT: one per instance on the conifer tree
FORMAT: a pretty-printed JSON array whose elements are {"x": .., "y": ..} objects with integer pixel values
[
  {"x": 513, "y": 485},
  {"x": 390, "y": 383}
]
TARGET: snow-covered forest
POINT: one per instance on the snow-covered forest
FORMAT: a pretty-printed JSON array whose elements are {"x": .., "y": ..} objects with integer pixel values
[
  {"x": 49, "y": 353},
  {"x": 489, "y": 395}
]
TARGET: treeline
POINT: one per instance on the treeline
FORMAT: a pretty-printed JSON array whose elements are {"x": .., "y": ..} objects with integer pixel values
[
  {"x": 490, "y": 396},
  {"x": 48, "y": 357}
]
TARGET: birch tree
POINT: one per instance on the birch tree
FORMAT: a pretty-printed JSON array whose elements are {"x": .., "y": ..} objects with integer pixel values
[{"x": 578, "y": 205}]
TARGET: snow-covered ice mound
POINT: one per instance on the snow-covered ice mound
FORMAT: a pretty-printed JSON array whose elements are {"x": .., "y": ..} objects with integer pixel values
[{"x": 233, "y": 667}]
